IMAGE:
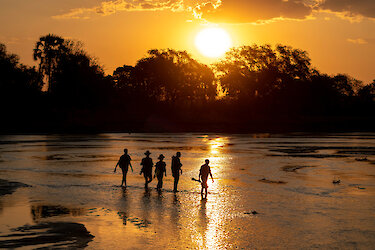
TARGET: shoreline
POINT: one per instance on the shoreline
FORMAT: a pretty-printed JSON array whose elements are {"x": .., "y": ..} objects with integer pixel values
[{"x": 273, "y": 126}]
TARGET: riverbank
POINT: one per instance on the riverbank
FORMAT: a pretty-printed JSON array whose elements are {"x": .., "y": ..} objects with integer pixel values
[{"x": 217, "y": 124}]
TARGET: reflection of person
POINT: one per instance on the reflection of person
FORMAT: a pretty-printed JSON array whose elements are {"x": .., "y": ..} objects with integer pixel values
[
  {"x": 203, "y": 176},
  {"x": 176, "y": 169},
  {"x": 147, "y": 165},
  {"x": 160, "y": 170},
  {"x": 124, "y": 163}
]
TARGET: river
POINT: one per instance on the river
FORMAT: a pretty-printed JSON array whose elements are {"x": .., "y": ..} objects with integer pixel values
[{"x": 270, "y": 191}]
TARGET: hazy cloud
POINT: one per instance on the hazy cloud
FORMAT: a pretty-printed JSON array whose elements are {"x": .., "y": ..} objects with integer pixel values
[
  {"x": 234, "y": 11},
  {"x": 357, "y": 41},
  {"x": 110, "y": 7}
]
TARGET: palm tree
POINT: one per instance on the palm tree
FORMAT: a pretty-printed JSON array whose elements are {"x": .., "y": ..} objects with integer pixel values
[{"x": 49, "y": 50}]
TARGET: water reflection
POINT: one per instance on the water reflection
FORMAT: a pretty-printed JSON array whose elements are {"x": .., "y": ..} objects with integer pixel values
[
  {"x": 124, "y": 206},
  {"x": 44, "y": 211},
  {"x": 215, "y": 234},
  {"x": 217, "y": 145},
  {"x": 124, "y": 217},
  {"x": 203, "y": 223}
]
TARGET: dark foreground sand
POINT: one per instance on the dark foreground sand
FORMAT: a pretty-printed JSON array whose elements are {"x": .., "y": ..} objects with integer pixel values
[
  {"x": 8, "y": 187},
  {"x": 42, "y": 235}
]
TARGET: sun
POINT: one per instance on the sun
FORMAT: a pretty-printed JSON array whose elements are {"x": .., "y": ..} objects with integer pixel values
[{"x": 213, "y": 42}]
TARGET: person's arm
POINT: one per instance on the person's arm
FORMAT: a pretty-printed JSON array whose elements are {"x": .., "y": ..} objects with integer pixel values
[
  {"x": 131, "y": 166},
  {"x": 200, "y": 175},
  {"x": 165, "y": 170},
  {"x": 211, "y": 176},
  {"x": 116, "y": 166},
  {"x": 142, "y": 167}
]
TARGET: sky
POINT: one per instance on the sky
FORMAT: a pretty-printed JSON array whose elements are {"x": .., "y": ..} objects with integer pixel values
[{"x": 339, "y": 35}]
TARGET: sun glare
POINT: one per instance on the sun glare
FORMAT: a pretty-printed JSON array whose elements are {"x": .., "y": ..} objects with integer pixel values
[{"x": 213, "y": 42}]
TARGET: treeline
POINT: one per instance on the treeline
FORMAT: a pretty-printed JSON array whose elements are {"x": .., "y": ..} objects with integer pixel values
[{"x": 254, "y": 88}]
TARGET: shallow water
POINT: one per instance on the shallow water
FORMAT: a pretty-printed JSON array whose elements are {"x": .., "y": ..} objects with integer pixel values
[{"x": 285, "y": 178}]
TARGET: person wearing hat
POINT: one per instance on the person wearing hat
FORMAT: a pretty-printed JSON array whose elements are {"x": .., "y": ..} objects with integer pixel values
[
  {"x": 124, "y": 163},
  {"x": 176, "y": 169},
  {"x": 159, "y": 171},
  {"x": 147, "y": 165}
]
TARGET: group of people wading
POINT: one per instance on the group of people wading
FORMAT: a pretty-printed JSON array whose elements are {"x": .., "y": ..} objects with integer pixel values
[{"x": 160, "y": 170}]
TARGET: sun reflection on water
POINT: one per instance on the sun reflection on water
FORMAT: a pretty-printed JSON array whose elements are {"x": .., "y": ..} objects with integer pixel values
[{"x": 210, "y": 215}]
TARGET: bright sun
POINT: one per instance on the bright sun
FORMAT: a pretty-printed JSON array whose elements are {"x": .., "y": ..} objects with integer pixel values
[{"x": 213, "y": 42}]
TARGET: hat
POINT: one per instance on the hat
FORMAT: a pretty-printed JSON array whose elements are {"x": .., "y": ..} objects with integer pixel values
[
  {"x": 161, "y": 157},
  {"x": 147, "y": 152}
]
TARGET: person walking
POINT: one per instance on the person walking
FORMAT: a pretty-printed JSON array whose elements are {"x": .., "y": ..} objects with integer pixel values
[
  {"x": 159, "y": 171},
  {"x": 147, "y": 165},
  {"x": 124, "y": 163},
  {"x": 176, "y": 169},
  {"x": 203, "y": 177}
]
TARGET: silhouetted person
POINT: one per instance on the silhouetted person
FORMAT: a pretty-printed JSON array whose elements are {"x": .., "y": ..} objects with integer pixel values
[
  {"x": 147, "y": 165},
  {"x": 124, "y": 163},
  {"x": 176, "y": 169},
  {"x": 203, "y": 176},
  {"x": 159, "y": 171}
]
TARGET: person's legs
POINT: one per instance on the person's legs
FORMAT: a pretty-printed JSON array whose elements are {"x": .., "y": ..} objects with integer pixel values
[
  {"x": 176, "y": 178},
  {"x": 123, "y": 178},
  {"x": 146, "y": 181},
  {"x": 149, "y": 177},
  {"x": 160, "y": 182},
  {"x": 204, "y": 189}
]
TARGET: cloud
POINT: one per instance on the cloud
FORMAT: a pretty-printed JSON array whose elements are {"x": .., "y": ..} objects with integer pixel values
[
  {"x": 247, "y": 11},
  {"x": 357, "y": 41},
  {"x": 350, "y": 8},
  {"x": 250, "y": 11},
  {"x": 234, "y": 11},
  {"x": 111, "y": 7}
]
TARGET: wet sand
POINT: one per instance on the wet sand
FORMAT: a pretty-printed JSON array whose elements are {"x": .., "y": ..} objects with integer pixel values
[
  {"x": 46, "y": 234},
  {"x": 270, "y": 191}
]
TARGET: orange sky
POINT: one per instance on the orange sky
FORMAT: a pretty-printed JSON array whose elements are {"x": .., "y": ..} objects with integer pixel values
[{"x": 338, "y": 34}]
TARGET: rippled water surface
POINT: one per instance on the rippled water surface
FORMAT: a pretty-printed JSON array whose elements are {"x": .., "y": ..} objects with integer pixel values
[{"x": 270, "y": 191}]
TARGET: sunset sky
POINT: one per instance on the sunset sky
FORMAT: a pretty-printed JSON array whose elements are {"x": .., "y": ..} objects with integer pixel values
[{"x": 338, "y": 34}]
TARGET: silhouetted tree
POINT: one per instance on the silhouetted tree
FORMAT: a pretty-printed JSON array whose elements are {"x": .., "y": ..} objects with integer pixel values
[
  {"x": 258, "y": 71},
  {"x": 368, "y": 91},
  {"x": 79, "y": 81},
  {"x": 264, "y": 87},
  {"x": 346, "y": 85},
  {"x": 20, "y": 96},
  {"x": 169, "y": 75},
  {"x": 48, "y": 51},
  {"x": 15, "y": 78},
  {"x": 123, "y": 77},
  {"x": 366, "y": 96}
]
